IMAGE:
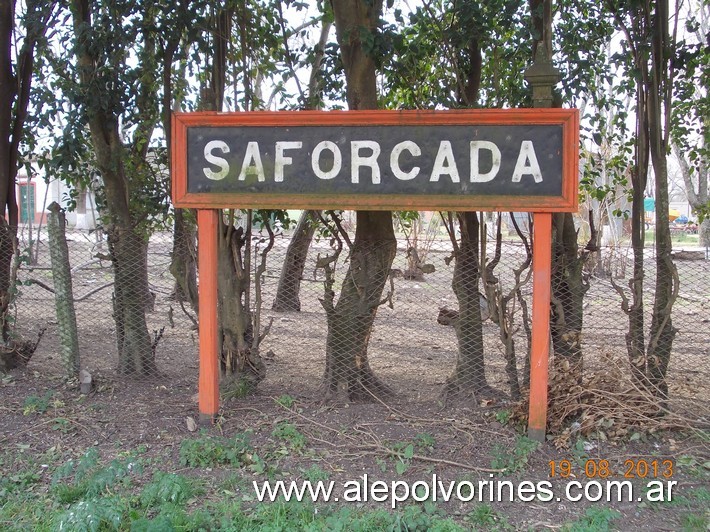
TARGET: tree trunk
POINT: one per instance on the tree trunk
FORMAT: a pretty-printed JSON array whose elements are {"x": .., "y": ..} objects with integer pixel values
[
  {"x": 658, "y": 85},
  {"x": 662, "y": 331},
  {"x": 636, "y": 335},
  {"x": 348, "y": 374},
  {"x": 704, "y": 233},
  {"x": 15, "y": 84},
  {"x": 469, "y": 374},
  {"x": 287, "y": 294},
  {"x": 241, "y": 363},
  {"x": 8, "y": 243},
  {"x": 135, "y": 350},
  {"x": 183, "y": 262},
  {"x": 127, "y": 244},
  {"x": 568, "y": 289}
]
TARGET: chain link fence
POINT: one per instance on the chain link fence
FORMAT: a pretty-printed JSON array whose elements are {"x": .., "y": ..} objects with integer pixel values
[{"x": 425, "y": 321}]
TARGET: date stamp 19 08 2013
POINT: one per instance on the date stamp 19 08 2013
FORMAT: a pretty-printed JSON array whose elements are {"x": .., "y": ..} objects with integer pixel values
[{"x": 595, "y": 468}]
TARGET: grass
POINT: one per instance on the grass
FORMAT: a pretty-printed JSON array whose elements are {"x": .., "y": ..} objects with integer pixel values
[
  {"x": 88, "y": 494},
  {"x": 212, "y": 490},
  {"x": 516, "y": 459},
  {"x": 593, "y": 520},
  {"x": 676, "y": 238}
]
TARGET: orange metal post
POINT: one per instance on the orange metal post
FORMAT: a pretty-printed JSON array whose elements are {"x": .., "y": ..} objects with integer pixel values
[
  {"x": 540, "y": 348},
  {"x": 208, "y": 386}
]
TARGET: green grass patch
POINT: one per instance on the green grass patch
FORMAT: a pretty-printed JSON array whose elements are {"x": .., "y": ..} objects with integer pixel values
[
  {"x": 211, "y": 451},
  {"x": 593, "y": 520},
  {"x": 516, "y": 459}
]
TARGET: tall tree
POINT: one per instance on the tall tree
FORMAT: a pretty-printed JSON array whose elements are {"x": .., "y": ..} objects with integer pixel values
[
  {"x": 653, "y": 47},
  {"x": 288, "y": 291},
  {"x": 473, "y": 36},
  {"x": 348, "y": 373},
  {"x": 15, "y": 82},
  {"x": 112, "y": 96},
  {"x": 174, "y": 45},
  {"x": 245, "y": 36},
  {"x": 454, "y": 54},
  {"x": 691, "y": 113},
  {"x": 568, "y": 284}
]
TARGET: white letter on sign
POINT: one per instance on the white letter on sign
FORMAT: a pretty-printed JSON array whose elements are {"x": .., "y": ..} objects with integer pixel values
[
  {"x": 412, "y": 148},
  {"x": 281, "y": 160},
  {"x": 252, "y": 154},
  {"x": 337, "y": 160},
  {"x": 445, "y": 155},
  {"x": 476, "y": 147},
  {"x": 356, "y": 160},
  {"x": 217, "y": 161},
  {"x": 527, "y": 153}
]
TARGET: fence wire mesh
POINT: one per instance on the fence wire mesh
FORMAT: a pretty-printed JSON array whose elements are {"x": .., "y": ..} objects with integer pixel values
[{"x": 417, "y": 321}]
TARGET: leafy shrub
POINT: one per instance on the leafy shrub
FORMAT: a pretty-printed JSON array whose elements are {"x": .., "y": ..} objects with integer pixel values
[
  {"x": 167, "y": 488},
  {"x": 516, "y": 460},
  {"x": 92, "y": 515},
  {"x": 90, "y": 479},
  {"x": 290, "y": 435},
  {"x": 209, "y": 451},
  {"x": 594, "y": 520}
]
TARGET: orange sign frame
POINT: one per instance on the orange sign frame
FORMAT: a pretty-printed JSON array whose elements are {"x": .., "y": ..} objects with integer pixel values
[{"x": 568, "y": 119}]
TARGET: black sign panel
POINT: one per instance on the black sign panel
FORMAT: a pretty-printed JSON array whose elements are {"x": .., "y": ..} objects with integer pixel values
[{"x": 446, "y": 160}]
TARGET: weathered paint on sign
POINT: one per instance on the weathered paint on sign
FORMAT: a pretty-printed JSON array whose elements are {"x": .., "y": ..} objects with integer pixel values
[
  {"x": 433, "y": 160},
  {"x": 502, "y": 160}
]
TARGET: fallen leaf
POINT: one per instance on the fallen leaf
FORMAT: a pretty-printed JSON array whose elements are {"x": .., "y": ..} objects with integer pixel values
[{"x": 191, "y": 424}]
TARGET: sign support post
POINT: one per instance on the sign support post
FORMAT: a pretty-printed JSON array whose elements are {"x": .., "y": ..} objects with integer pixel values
[
  {"x": 208, "y": 386},
  {"x": 540, "y": 341}
]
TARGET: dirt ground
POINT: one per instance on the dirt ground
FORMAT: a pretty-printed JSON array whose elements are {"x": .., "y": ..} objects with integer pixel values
[{"x": 458, "y": 441}]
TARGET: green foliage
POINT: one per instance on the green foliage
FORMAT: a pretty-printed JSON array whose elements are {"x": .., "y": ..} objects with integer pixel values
[
  {"x": 503, "y": 416},
  {"x": 264, "y": 219},
  {"x": 695, "y": 522},
  {"x": 37, "y": 405},
  {"x": 419, "y": 517},
  {"x": 92, "y": 515},
  {"x": 290, "y": 435},
  {"x": 315, "y": 474},
  {"x": 436, "y": 52},
  {"x": 405, "y": 220},
  {"x": 90, "y": 479},
  {"x": 691, "y": 107},
  {"x": 17, "y": 482},
  {"x": 236, "y": 388},
  {"x": 425, "y": 441},
  {"x": 693, "y": 466},
  {"x": 484, "y": 517},
  {"x": 594, "y": 520},
  {"x": 286, "y": 401},
  {"x": 402, "y": 453},
  {"x": 515, "y": 460},
  {"x": 210, "y": 451},
  {"x": 69, "y": 493},
  {"x": 167, "y": 488}
]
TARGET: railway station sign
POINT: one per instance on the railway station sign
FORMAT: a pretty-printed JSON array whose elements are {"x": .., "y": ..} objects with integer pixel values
[{"x": 509, "y": 160}]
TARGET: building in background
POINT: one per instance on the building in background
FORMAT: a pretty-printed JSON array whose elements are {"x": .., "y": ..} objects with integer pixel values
[{"x": 34, "y": 194}]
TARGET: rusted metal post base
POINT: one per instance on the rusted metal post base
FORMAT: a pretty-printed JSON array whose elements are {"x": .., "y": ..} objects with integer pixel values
[{"x": 206, "y": 420}]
